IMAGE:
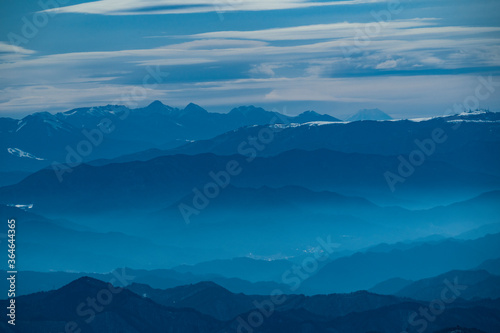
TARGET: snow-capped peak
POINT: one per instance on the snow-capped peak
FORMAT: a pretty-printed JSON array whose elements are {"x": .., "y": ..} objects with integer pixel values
[
  {"x": 23, "y": 207},
  {"x": 98, "y": 111}
]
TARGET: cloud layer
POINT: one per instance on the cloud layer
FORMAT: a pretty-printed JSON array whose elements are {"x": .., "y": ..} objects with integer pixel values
[{"x": 407, "y": 63}]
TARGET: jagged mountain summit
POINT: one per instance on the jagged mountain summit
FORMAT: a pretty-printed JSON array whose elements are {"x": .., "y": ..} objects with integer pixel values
[{"x": 109, "y": 131}]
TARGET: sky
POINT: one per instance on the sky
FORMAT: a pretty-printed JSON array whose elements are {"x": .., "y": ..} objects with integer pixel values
[{"x": 408, "y": 58}]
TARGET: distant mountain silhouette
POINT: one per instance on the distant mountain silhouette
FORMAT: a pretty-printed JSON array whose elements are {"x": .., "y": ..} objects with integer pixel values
[
  {"x": 36, "y": 281},
  {"x": 252, "y": 270},
  {"x": 390, "y": 286},
  {"x": 491, "y": 228},
  {"x": 479, "y": 284},
  {"x": 492, "y": 266},
  {"x": 226, "y": 223},
  {"x": 363, "y": 270},
  {"x": 369, "y": 114},
  {"x": 211, "y": 299},
  {"x": 169, "y": 178},
  {"x": 205, "y": 297},
  {"x": 40, "y": 241}
]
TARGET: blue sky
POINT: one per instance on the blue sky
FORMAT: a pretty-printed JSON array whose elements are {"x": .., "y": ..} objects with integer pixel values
[{"x": 408, "y": 58}]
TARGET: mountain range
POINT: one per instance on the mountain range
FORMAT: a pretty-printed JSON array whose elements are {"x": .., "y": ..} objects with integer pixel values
[
  {"x": 470, "y": 141},
  {"x": 40, "y": 139},
  {"x": 165, "y": 180},
  {"x": 188, "y": 250},
  {"x": 362, "y": 270},
  {"x": 206, "y": 307},
  {"x": 214, "y": 211},
  {"x": 471, "y": 134}
]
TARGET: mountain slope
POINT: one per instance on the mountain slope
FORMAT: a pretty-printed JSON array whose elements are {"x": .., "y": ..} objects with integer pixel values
[
  {"x": 40, "y": 241},
  {"x": 36, "y": 281},
  {"x": 213, "y": 300},
  {"x": 116, "y": 197},
  {"x": 170, "y": 178},
  {"x": 206, "y": 297},
  {"x": 390, "y": 286},
  {"x": 116, "y": 310},
  {"x": 492, "y": 266},
  {"x": 468, "y": 141},
  {"x": 396, "y": 319},
  {"x": 476, "y": 284},
  {"x": 252, "y": 270},
  {"x": 363, "y": 270}
]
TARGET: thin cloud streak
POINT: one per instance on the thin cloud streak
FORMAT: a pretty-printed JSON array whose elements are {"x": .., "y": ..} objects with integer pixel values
[
  {"x": 161, "y": 7},
  {"x": 402, "y": 28}
]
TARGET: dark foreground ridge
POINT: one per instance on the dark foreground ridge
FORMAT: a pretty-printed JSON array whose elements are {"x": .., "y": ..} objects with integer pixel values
[{"x": 95, "y": 306}]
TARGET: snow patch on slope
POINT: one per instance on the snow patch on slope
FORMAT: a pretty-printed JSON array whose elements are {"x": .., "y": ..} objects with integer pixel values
[{"x": 19, "y": 153}]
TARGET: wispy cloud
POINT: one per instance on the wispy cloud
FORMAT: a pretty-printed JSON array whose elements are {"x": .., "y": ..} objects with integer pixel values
[
  {"x": 314, "y": 31},
  {"x": 10, "y": 53},
  {"x": 397, "y": 28},
  {"x": 9, "y": 48},
  {"x": 308, "y": 60},
  {"x": 147, "y": 7},
  {"x": 295, "y": 57}
]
